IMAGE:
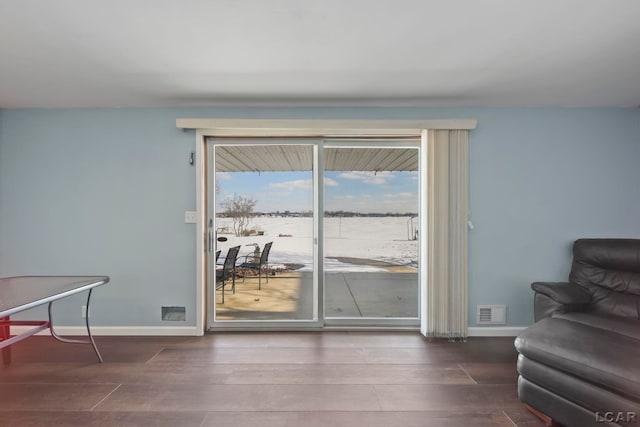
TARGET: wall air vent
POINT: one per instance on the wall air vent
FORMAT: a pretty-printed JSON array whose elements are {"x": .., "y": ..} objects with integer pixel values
[
  {"x": 173, "y": 314},
  {"x": 491, "y": 314}
]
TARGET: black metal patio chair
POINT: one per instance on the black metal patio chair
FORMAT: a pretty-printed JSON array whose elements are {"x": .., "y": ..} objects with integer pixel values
[
  {"x": 228, "y": 271},
  {"x": 258, "y": 264}
]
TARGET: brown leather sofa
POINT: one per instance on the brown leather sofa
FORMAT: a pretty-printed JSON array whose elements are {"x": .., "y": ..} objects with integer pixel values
[{"x": 579, "y": 364}]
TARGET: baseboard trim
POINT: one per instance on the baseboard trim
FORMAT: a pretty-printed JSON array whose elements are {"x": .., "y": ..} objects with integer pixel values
[
  {"x": 473, "y": 331},
  {"x": 117, "y": 330},
  {"x": 495, "y": 331}
]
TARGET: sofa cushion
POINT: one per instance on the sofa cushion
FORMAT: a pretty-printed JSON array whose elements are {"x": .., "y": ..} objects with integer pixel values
[
  {"x": 617, "y": 324},
  {"x": 593, "y": 354},
  {"x": 609, "y": 270},
  {"x": 579, "y": 391},
  {"x": 563, "y": 411}
]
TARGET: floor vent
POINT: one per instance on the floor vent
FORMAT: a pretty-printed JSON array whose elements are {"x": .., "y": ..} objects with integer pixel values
[{"x": 491, "y": 315}]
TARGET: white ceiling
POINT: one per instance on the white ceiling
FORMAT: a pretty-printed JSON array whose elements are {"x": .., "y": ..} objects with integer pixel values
[{"x": 110, "y": 53}]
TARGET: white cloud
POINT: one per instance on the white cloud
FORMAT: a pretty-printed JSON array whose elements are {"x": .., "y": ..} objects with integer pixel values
[
  {"x": 223, "y": 176},
  {"x": 375, "y": 181},
  {"x": 351, "y": 175},
  {"x": 303, "y": 184},
  {"x": 292, "y": 185},
  {"x": 374, "y": 178}
]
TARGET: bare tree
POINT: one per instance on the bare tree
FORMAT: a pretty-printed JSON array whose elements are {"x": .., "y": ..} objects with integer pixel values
[{"x": 240, "y": 209}]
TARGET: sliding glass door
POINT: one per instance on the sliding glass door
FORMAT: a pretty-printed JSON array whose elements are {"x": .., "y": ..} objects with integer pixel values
[
  {"x": 308, "y": 232},
  {"x": 371, "y": 209}
]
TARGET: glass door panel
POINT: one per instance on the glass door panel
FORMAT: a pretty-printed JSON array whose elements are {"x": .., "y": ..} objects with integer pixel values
[
  {"x": 263, "y": 208},
  {"x": 371, "y": 204}
]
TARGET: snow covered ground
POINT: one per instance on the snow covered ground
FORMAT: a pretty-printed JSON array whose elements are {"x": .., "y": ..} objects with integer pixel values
[{"x": 381, "y": 239}]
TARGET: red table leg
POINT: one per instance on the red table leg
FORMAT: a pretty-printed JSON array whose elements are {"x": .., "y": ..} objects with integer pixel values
[{"x": 5, "y": 333}]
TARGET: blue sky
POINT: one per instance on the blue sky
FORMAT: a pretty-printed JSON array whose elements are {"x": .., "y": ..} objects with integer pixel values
[{"x": 350, "y": 190}]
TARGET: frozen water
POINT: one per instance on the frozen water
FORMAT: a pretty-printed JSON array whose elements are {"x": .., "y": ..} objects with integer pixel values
[{"x": 374, "y": 238}]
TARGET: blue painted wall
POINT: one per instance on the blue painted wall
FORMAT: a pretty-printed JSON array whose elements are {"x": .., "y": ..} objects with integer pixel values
[{"x": 105, "y": 190}]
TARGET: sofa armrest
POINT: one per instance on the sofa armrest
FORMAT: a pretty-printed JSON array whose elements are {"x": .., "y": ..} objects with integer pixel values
[
  {"x": 562, "y": 292},
  {"x": 558, "y": 297}
]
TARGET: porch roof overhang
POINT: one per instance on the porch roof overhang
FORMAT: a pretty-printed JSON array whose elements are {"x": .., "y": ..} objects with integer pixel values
[{"x": 289, "y": 158}]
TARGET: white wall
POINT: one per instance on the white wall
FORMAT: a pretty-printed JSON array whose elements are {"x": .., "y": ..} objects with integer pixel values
[{"x": 104, "y": 192}]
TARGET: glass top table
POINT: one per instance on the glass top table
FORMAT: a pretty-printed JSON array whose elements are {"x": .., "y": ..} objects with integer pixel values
[{"x": 24, "y": 292}]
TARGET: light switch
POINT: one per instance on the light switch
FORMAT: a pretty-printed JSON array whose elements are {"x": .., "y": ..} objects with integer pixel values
[{"x": 190, "y": 217}]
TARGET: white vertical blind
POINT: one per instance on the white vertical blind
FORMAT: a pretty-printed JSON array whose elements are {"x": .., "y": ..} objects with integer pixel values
[{"x": 445, "y": 294}]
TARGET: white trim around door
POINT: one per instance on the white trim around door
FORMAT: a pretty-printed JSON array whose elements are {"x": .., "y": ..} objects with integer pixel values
[{"x": 297, "y": 128}]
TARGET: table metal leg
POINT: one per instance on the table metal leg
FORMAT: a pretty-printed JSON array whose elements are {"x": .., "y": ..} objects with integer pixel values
[{"x": 72, "y": 341}]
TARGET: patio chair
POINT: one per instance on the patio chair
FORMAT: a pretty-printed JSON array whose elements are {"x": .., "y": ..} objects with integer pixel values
[
  {"x": 262, "y": 263},
  {"x": 228, "y": 271}
]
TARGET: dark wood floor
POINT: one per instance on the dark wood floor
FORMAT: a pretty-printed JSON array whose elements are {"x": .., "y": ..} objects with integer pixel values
[{"x": 377, "y": 379}]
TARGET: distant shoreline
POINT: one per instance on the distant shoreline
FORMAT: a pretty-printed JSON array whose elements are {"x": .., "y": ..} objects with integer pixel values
[{"x": 330, "y": 214}]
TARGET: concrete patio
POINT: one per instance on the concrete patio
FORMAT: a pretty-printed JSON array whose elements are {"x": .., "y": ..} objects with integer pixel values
[{"x": 289, "y": 296}]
